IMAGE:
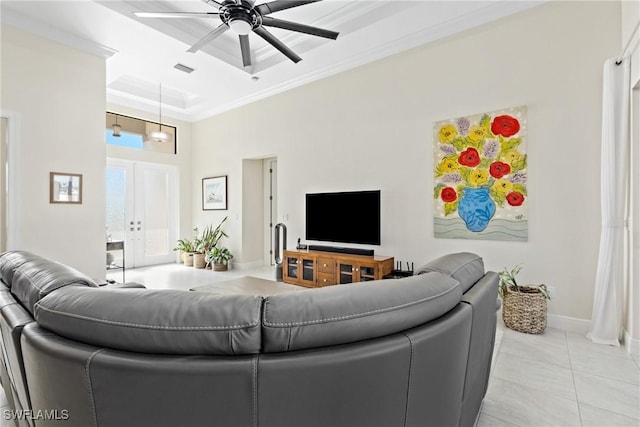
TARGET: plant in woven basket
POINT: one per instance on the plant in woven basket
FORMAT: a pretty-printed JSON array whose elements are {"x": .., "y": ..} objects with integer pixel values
[
  {"x": 219, "y": 257},
  {"x": 508, "y": 281},
  {"x": 524, "y": 308}
]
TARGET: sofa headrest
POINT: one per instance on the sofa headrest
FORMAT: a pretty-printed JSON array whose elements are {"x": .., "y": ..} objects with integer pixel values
[
  {"x": 36, "y": 279},
  {"x": 154, "y": 321},
  {"x": 11, "y": 260},
  {"x": 354, "y": 312},
  {"x": 465, "y": 267}
]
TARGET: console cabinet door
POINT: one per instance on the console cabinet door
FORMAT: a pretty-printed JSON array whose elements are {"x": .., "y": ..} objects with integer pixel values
[
  {"x": 300, "y": 270},
  {"x": 351, "y": 272}
]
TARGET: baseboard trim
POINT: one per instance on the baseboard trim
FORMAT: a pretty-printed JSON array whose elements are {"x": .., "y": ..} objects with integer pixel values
[
  {"x": 569, "y": 324},
  {"x": 581, "y": 326},
  {"x": 632, "y": 345},
  {"x": 246, "y": 265}
]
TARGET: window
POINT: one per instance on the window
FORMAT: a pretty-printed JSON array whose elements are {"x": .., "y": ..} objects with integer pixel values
[{"x": 138, "y": 134}]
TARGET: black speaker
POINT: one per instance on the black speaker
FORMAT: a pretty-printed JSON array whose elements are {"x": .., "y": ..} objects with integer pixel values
[{"x": 340, "y": 250}]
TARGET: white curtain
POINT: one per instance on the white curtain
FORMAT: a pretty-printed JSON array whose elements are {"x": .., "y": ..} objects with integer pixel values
[{"x": 606, "y": 317}]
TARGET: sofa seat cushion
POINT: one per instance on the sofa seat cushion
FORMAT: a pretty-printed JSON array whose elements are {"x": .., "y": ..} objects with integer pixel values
[
  {"x": 354, "y": 312},
  {"x": 35, "y": 279},
  {"x": 465, "y": 267},
  {"x": 154, "y": 321}
]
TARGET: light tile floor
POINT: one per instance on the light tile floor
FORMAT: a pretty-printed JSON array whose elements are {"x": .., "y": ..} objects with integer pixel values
[{"x": 557, "y": 378}]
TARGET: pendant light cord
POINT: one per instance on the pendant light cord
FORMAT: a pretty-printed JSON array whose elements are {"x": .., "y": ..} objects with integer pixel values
[{"x": 160, "y": 97}]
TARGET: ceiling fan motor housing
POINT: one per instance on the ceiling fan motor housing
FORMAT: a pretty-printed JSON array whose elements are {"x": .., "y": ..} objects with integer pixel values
[{"x": 240, "y": 16}]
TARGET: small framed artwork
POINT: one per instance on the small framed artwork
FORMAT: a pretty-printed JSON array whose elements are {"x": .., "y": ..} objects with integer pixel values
[
  {"x": 65, "y": 188},
  {"x": 214, "y": 193}
]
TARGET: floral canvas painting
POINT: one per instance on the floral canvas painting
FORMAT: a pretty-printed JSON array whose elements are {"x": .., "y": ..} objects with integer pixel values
[{"x": 480, "y": 176}]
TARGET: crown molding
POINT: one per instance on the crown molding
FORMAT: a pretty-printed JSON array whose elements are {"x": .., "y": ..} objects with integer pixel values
[{"x": 18, "y": 20}]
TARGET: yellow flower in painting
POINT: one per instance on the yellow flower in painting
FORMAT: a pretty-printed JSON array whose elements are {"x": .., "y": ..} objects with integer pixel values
[
  {"x": 447, "y": 165},
  {"x": 478, "y": 177},
  {"x": 447, "y": 133},
  {"x": 511, "y": 156},
  {"x": 502, "y": 186},
  {"x": 477, "y": 133}
]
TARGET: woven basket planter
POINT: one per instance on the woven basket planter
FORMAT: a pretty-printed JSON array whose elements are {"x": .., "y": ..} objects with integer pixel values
[
  {"x": 198, "y": 260},
  {"x": 188, "y": 259},
  {"x": 218, "y": 266},
  {"x": 525, "y": 311}
]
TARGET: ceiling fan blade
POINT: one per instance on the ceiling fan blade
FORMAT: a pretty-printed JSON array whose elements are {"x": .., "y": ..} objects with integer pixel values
[
  {"x": 262, "y": 32},
  {"x": 274, "y": 6},
  {"x": 301, "y": 28},
  {"x": 245, "y": 49},
  {"x": 206, "y": 39},
  {"x": 213, "y": 3},
  {"x": 176, "y": 14}
]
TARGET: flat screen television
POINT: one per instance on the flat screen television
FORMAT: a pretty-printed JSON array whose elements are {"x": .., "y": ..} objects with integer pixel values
[{"x": 346, "y": 217}]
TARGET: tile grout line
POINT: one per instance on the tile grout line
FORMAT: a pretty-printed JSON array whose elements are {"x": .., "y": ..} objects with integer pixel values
[{"x": 573, "y": 378}]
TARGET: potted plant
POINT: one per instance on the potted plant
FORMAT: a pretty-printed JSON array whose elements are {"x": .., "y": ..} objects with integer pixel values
[
  {"x": 198, "y": 251},
  {"x": 219, "y": 257},
  {"x": 524, "y": 308},
  {"x": 206, "y": 242},
  {"x": 183, "y": 246}
]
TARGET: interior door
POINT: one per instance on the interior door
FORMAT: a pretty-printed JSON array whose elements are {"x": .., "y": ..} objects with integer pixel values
[{"x": 141, "y": 210}]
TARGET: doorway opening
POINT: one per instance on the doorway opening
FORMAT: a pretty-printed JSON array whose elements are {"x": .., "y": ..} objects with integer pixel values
[{"x": 141, "y": 212}]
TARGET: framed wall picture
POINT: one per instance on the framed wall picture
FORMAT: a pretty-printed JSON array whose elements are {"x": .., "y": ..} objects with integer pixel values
[
  {"x": 65, "y": 188},
  {"x": 481, "y": 176},
  {"x": 214, "y": 193}
]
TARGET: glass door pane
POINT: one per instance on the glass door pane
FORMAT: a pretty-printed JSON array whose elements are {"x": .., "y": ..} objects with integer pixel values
[
  {"x": 155, "y": 214},
  {"x": 119, "y": 201},
  {"x": 367, "y": 273},
  {"x": 292, "y": 267},
  {"x": 346, "y": 273},
  {"x": 307, "y": 270}
]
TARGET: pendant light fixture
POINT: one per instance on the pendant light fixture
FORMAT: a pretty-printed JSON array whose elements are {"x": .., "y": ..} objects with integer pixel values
[
  {"x": 116, "y": 128},
  {"x": 159, "y": 135}
]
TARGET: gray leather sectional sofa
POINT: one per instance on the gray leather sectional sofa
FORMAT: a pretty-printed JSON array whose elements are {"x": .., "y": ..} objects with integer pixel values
[{"x": 400, "y": 352}]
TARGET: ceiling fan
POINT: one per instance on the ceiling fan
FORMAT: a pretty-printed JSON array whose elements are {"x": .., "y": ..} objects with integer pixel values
[{"x": 243, "y": 17}]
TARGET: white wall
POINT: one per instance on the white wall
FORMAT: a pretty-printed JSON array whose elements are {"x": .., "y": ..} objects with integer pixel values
[
  {"x": 182, "y": 160},
  {"x": 630, "y": 18},
  {"x": 371, "y": 128},
  {"x": 56, "y": 96}
]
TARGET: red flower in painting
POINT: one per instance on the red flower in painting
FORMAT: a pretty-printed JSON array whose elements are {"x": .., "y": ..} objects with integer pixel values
[
  {"x": 515, "y": 199},
  {"x": 505, "y": 125},
  {"x": 469, "y": 157},
  {"x": 499, "y": 169},
  {"x": 448, "y": 195}
]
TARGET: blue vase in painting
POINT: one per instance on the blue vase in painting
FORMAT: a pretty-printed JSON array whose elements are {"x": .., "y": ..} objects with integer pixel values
[{"x": 476, "y": 208}]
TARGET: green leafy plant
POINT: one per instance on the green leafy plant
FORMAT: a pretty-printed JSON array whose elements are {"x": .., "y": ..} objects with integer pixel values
[
  {"x": 211, "y": 236},
  {"x": 508, "y": 281},
  {"x": 184, "y": 245},
  {"x": 218, "y": 255}
]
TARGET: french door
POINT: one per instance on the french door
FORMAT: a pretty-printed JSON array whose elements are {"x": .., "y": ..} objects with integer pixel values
[{"x": 141, "y": 210}]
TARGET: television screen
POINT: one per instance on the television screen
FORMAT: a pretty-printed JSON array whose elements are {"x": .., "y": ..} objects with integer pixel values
[{"x": 347, "y": 217}]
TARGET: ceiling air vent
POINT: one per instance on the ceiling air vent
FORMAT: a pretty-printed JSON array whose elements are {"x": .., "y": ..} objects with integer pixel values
[{"x": 183, "y": 68}]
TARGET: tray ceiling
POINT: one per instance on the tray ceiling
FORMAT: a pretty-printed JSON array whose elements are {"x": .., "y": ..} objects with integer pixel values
[{"x": 143, "y": 52}]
